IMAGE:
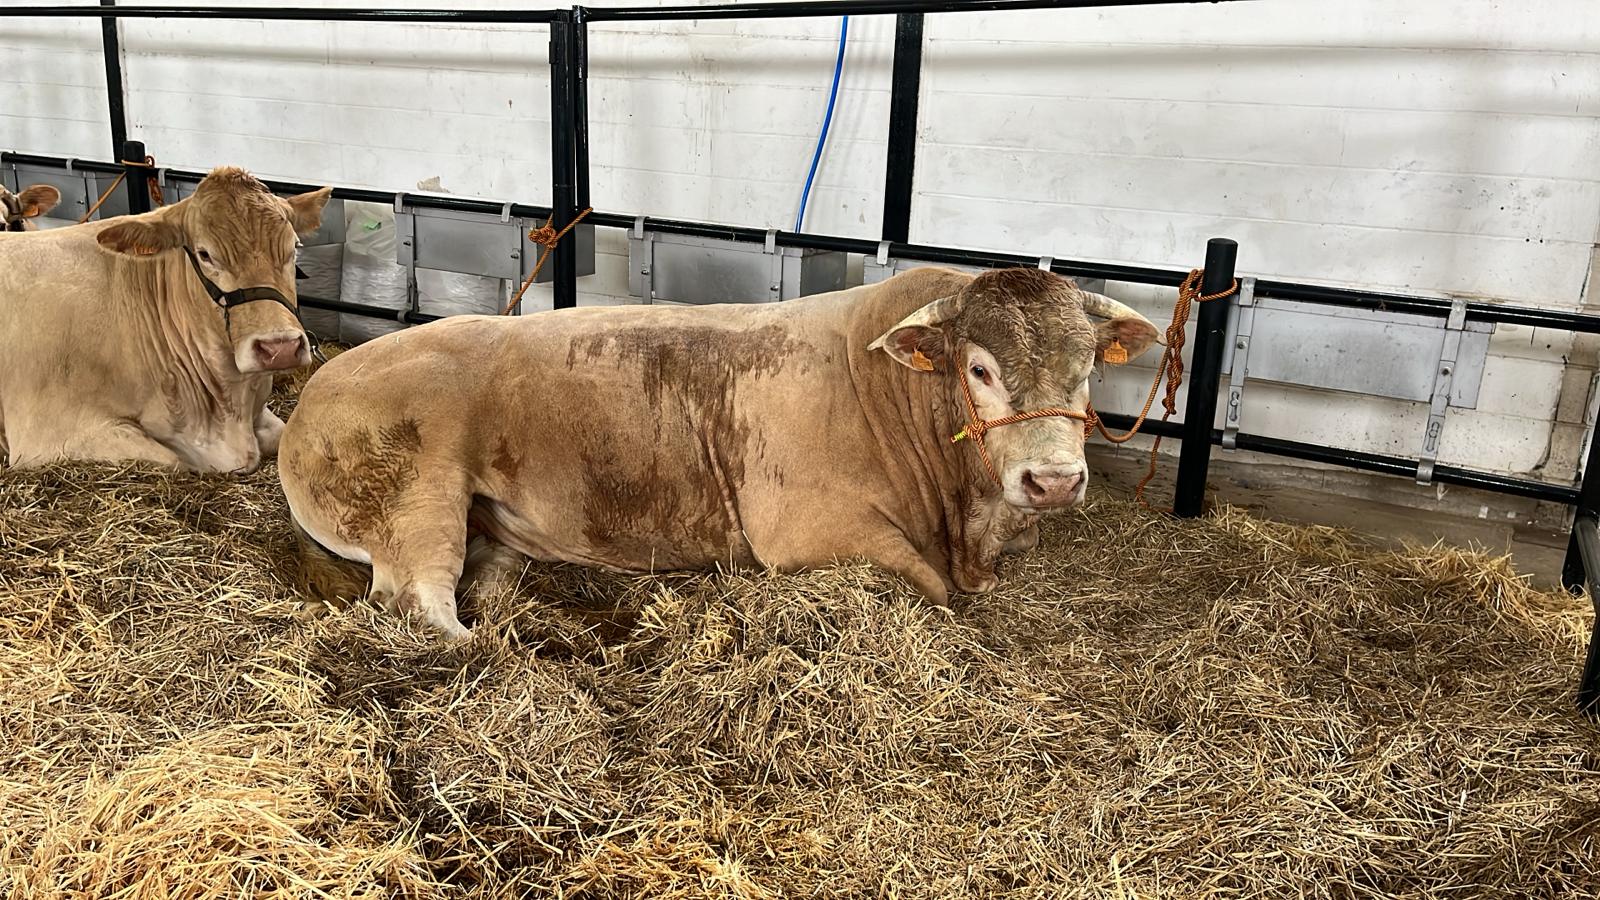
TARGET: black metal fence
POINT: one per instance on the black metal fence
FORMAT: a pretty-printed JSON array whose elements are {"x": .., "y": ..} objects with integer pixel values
[{"x": 569, "y": 193}]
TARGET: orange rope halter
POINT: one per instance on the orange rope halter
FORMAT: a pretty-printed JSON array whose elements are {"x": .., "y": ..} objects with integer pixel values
[
  {"x": 156, "y": 196},
  {"x": 546, "y": 237},
  {"x": 977, "y": 426}
]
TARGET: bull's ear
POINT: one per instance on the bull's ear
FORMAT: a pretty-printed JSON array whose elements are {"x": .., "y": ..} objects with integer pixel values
[
  {"x": 38, "y": 200},
  {"x": 305, "y": 210},
  {"x": 917, "y": 341},
  {"x": 1123, "y": 327},
  {"x": 144, "y": 235}
]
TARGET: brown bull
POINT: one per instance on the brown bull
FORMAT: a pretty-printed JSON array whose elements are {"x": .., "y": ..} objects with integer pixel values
[
  {"x": 154, "y": 337},
  {"x": 654, "y": 438},
  {"x": 17, "y": 211}
]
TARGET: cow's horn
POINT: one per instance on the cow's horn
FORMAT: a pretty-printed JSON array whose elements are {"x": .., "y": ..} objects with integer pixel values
[
  {"x": 938, "y": 312},
  {"x": 1107, "y": 308}
]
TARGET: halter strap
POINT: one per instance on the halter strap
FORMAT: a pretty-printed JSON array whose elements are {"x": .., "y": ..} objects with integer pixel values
[
  {"x": 227, "y": 300},
  {"x": 977, "y": 426}
]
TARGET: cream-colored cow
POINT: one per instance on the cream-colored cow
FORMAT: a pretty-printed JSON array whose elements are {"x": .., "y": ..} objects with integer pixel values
[
  {"x": 154, "y": 337},
  {"x": 651, "y": 438}
]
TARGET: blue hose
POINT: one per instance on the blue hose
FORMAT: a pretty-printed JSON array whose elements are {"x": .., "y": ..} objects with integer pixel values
[{"x": 827, "y": 120}]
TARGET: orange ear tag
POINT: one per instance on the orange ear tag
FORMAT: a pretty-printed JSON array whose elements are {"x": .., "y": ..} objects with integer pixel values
[
  {"x": 921, "y": 363},
  {"x": 1116, "y": 354}
]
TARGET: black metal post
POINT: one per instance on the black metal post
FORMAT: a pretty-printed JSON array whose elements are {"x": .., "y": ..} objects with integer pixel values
[
  {"x": 137, "y": 178},
  {"x": 1586, "y": 535},
  {"x": 1588, "y": 506},
  {"x": 561, "y": 157},
  {"x": 111, "y": 50},
  {"x": 580, "y": 107},
  {"x": 1204, "y": 375},
  {"x": 905, "y": 92},
  {"x": 1582, "y": 568}
]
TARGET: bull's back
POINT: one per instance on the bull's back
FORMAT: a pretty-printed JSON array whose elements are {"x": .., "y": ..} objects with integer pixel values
[{"x": 620, "y": 437}]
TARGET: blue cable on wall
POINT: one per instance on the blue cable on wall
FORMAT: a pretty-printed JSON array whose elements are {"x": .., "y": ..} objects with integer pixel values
[{"x": 827, "y": 120}]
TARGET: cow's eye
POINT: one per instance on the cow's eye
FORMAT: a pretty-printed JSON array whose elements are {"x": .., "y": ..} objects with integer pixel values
[
  {"x": 204, "y": 256},
  {"x": 980, "y": 373}
]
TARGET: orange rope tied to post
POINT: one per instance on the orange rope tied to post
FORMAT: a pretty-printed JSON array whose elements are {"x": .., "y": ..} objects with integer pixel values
[
  {"x": 1170, "y": 367},
  {"x": 156, "y": 196},
  {"x": 547, "y": 237}
]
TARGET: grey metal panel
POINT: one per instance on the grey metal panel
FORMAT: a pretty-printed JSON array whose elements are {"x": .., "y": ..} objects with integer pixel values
[
  {"x": 582, "y": 238},
  {"x": 687, "y": 269},
  {"x": 1378, "y": 353},
  {"x": 116, "y": 202},
  {"x": 819, "y": 273},
  {"x": 687, "y": 273},
  {"x": 469, "y": 243}
]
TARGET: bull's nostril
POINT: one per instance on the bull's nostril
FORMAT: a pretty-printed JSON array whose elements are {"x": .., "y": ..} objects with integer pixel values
[{"x": 1031, "y": 485}]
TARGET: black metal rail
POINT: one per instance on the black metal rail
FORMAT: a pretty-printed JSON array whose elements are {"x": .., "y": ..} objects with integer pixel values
[
  {"x": 806, "y": 8},
  {"x": 286, "y": 13},
  {"x": 1586, "y": 536}
]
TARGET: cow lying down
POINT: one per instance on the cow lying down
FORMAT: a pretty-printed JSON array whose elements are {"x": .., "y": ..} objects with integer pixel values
[
  {"x": 654, "y": 438},
  {"x": 154, "y": 337}
]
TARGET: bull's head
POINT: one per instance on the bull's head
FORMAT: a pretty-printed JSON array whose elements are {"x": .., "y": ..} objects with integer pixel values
[
  {"x": 1023, "y": 340},
  {"x": 241, "y": 237},
  {"x": 19, "y": 210}
]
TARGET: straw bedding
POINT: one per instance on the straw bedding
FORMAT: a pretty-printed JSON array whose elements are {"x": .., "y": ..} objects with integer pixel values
[{"x": 1146, "y": 708}]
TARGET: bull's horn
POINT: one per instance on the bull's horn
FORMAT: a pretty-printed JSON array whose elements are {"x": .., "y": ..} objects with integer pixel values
[
  {"x": 1107, "y": 308},
  {"x": 933, "y": 314}
]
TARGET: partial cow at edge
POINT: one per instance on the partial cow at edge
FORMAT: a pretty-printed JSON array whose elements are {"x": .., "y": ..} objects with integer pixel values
[
  {"x": 154, "y": 337},
  {"x": 19, "y": 210},
  {"x": 644, "y": 439}
]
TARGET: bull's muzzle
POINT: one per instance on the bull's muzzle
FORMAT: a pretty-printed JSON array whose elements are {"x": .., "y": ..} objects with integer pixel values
[
  {"x": 1049, "y": 487},
  {"x": 278, "y": 352}
]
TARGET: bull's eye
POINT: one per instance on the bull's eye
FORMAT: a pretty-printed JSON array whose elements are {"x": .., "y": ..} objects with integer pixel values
[
  {"x": 980, "y": 373},
  {"x": 204, "y": 256}
]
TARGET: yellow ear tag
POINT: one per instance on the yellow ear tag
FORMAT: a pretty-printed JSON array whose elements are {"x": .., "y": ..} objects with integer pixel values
[
  {"x": 920, "y": 362},
  {"x": 1116, "y": 354}
]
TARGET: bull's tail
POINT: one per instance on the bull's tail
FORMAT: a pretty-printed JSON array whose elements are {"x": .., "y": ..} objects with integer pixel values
[{"x": 323, "y": 577}]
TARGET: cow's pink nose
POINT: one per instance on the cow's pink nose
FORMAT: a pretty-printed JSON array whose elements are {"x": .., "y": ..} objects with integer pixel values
[
  {"x": 1046, "y": 490},
  {"x": 279, "y": 353}
]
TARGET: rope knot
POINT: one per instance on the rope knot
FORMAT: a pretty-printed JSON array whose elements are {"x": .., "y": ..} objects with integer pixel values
[{"x": 547, "y": 237}]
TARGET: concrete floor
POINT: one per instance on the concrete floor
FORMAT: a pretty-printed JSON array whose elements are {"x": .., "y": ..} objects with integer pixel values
[{"x": 1536, "y": 551}]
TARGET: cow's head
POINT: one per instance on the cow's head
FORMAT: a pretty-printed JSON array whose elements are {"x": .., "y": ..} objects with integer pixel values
[
  {"x": 1023, "y": 339},
  {"x": 19, "y": 210},
  {"x": 241, "y": 237}
]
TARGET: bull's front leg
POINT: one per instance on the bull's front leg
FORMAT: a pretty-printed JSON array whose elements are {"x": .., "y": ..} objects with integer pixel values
[
  {"x": 1026, "y": 540},
  {"x": 268, "y": 428},
  {"x": 993, "y": 527}
]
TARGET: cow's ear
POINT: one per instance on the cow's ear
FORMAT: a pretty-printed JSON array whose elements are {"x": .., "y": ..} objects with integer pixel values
[
  {"x": 38, "y": 200},
  {"x": 917, "y": 341},
  {"x": 305, "y": 210},
  {"x": 1123, "y": 328},
  {"x": 141, "y": 236}
]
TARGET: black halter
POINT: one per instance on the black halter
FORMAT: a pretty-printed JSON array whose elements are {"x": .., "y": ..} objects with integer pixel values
[{"x": 227, "y": 300}]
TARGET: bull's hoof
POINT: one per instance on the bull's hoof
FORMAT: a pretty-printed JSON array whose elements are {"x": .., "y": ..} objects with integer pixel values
[{"x": 310, "y": 611}]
